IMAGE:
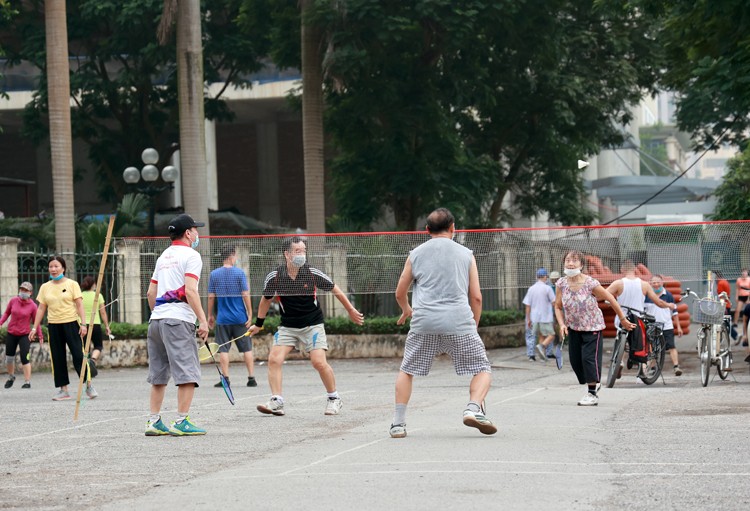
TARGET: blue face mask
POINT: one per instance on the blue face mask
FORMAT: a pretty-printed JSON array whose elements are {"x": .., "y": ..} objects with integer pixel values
[
  {"x": 196, "y": 241},
  {"x": 659, "y": 290},
  {"x": 57, "y": 278}
]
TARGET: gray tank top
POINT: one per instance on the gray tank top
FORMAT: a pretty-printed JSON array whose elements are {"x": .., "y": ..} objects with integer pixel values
[{"x": 440, "y": 298}]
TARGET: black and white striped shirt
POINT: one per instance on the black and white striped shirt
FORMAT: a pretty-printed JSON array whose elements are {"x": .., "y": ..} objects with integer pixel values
[{"x": 298, "y": 297}]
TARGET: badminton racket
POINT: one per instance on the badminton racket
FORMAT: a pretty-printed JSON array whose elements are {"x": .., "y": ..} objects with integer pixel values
[
  {"x": 559, "y": 353},
  {"x": 204, "y": 353},
  {"x": 222, "y": 378}
]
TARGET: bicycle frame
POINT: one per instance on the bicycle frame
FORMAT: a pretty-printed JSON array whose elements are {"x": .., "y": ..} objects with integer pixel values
[{"x": 710, "y": 336}]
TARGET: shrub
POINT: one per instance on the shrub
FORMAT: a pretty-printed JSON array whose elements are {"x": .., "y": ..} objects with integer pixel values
[{"x": 339, "y": 325}]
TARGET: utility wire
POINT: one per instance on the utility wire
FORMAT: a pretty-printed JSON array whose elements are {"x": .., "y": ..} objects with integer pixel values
[{"x": 671, "y": 182}]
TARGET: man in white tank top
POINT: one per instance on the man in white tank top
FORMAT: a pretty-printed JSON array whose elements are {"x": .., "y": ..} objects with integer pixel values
[{"x": 631, "y": 291}]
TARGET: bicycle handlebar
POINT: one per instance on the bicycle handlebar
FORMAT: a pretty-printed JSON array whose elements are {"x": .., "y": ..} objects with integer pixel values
[{"x": 644, "y": 315}]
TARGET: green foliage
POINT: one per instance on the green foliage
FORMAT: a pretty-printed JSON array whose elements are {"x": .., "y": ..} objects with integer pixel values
[
  {"x": 124, "y": 82},
  {"x": 128, "y": 331},
  {"x": 733, "y": 194},
  {"x": 437, "y": 103},
  {"x": 707, "y": 45},
  {"x": 338, "y": 325},
  {"x": 35, "y": 234}
]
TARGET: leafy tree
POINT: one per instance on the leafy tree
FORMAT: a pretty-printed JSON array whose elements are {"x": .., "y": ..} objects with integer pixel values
[
  {"x": 733, "y": 194},
  {"x": 478, "y": 104},
  {"x": 6, "y": 13},
  {"x": 124, "y": 82},
  {"x": 707, "y": 45}
]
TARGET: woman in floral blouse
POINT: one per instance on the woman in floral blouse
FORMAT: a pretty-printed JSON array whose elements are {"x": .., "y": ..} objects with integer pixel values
[{"x": 582, "y": 321}]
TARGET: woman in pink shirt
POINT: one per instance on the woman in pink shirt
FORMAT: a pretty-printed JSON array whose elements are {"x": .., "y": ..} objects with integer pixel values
[
  {"x": 582, "y": 322},
  {"x": 21, "y": 310}
]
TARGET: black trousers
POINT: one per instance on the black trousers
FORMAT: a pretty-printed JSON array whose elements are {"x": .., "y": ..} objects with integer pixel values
[
  {"x": 61, "y": 335},
  {"x": 585, "y": 354}
]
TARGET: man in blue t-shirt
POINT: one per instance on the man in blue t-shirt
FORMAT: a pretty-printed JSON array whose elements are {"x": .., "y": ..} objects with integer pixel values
[{"x": 229, "y": 296}]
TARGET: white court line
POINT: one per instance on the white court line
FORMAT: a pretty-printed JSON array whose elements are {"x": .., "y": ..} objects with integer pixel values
[
  {"x": 140, "y": 415},
  {"x": 562, "y": 463},
  {"x": 518, "y": 397},
  {"x": 611, "y": 475},
  {"x": 323, "y": 460}
]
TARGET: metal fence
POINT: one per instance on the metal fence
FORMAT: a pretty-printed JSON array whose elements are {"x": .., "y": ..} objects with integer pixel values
[{"x": 33, "y": 267}]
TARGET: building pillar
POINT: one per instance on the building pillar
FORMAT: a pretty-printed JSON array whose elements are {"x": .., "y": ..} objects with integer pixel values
[
  {"x": 129, "y": 281},
  {"x": 211, "y": 166},
  {"x": 268, "y": 172},
  {"x": 8, "y": 269}
]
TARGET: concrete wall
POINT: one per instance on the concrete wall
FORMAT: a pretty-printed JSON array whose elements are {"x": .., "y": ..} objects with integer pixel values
[{"x": 129, "y": 353}]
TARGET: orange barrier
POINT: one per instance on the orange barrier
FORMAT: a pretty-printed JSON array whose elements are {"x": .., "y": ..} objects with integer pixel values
[{"x": 606, "y": 276}]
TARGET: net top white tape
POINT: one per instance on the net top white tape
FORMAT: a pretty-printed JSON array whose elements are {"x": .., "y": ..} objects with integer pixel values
[{"x": 371, "y": 263}]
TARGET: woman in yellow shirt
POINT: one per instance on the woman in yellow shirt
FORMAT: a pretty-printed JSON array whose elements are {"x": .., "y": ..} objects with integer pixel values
[{"x": 61, "y": 300}]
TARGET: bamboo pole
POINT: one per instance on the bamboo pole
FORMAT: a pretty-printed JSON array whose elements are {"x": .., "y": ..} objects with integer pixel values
[{"x": 87, "y": 346}]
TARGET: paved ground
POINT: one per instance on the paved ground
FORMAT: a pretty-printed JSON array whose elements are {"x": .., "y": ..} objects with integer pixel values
[{"x": 673, "y": 446}]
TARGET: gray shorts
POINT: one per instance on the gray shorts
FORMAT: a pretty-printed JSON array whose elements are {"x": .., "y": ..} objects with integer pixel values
[
  {"x": 466, "y": 350},
  {"x": 172, "y": 349},
  {"x": 304, "y": 339},
  {"x": 543, "y": 328},
  {"x": 225, "y": 333}
]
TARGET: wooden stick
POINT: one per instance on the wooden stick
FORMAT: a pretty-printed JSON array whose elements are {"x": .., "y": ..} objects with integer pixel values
[{"x": 85, "y": 368}]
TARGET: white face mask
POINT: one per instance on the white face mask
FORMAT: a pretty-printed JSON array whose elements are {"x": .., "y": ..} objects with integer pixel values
[
  {"x": 299, "y": 260},
  {"x": 24, "y": 295},
  {"x": 572, "y": 272}
]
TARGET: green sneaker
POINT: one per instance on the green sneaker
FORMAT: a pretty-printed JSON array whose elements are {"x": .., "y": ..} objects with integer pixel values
[
  {"x": 185, "y": 428},
  {"x": 156, "y": 428}
]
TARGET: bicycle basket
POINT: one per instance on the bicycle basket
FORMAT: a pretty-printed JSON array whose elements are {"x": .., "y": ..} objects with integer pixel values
[{"x": 709, "y": 312}]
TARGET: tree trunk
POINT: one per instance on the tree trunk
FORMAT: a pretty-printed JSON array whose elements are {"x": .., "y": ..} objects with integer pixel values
[
  {"x": 61, "y": 144},
  {"x": 190, "y": 96},
  {"x": 312, "y": 124}
]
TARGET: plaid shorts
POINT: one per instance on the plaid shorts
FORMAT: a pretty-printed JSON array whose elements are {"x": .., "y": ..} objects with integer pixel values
[{"x": 466, "y": 350}]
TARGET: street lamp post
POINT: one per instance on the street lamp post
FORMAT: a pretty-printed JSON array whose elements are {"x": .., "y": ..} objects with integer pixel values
[{"x": 149, "y": 174}]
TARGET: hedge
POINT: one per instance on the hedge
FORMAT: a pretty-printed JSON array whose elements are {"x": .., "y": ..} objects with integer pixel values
[{"x": 337, "y": 325}]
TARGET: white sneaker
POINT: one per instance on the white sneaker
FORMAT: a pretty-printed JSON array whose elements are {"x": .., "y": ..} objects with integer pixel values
[
  {"x": 589, "y": 400},
  {"x": 479, "y": 421},
  {"x": 273, "y": 407},
  {"x": 333, "y": 407},
  {"x": 62, "y": 395},
  {"x": 91, "y": 391},
  {"x": 398, "y": 431}
]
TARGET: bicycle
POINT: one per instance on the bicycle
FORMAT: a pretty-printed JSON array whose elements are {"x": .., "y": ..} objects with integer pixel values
[
  {"x": 649, "y": 370},
  {"x": 714, "y": 347}
]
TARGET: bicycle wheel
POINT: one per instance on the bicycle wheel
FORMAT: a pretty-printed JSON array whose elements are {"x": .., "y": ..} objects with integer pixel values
[
  {"x": 725, "y": 360},
  {"x": 655, "y": 360},
  {"x": 705, "y": 357},
  {"x": 614, "y": 363}
]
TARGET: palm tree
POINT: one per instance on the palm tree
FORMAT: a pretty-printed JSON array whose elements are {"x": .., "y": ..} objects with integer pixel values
[
  {"x": 58, "y": 92},
  {"x": 190, "y": 98},
  {"x": 192, "y": 119},
  {"x": 312, "y": 122}
]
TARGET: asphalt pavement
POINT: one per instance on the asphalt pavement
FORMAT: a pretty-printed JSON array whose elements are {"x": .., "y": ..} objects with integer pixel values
[{"x": 671, "y": 445}]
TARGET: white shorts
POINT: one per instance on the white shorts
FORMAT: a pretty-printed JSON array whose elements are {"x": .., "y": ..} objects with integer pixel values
[{"x": 304, "y": 339}]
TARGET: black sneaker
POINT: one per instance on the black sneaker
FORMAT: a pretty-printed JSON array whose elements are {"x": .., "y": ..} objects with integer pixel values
[
  {"x": 26, "y": 385},
  {"x": 10, "y": 382},
  {"x": 92, "y": 368},
  {"x": 251, "y": 381}
]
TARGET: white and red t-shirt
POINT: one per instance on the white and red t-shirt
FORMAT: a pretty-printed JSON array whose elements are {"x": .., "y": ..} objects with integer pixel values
[{"x": 176, "y": 264}]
